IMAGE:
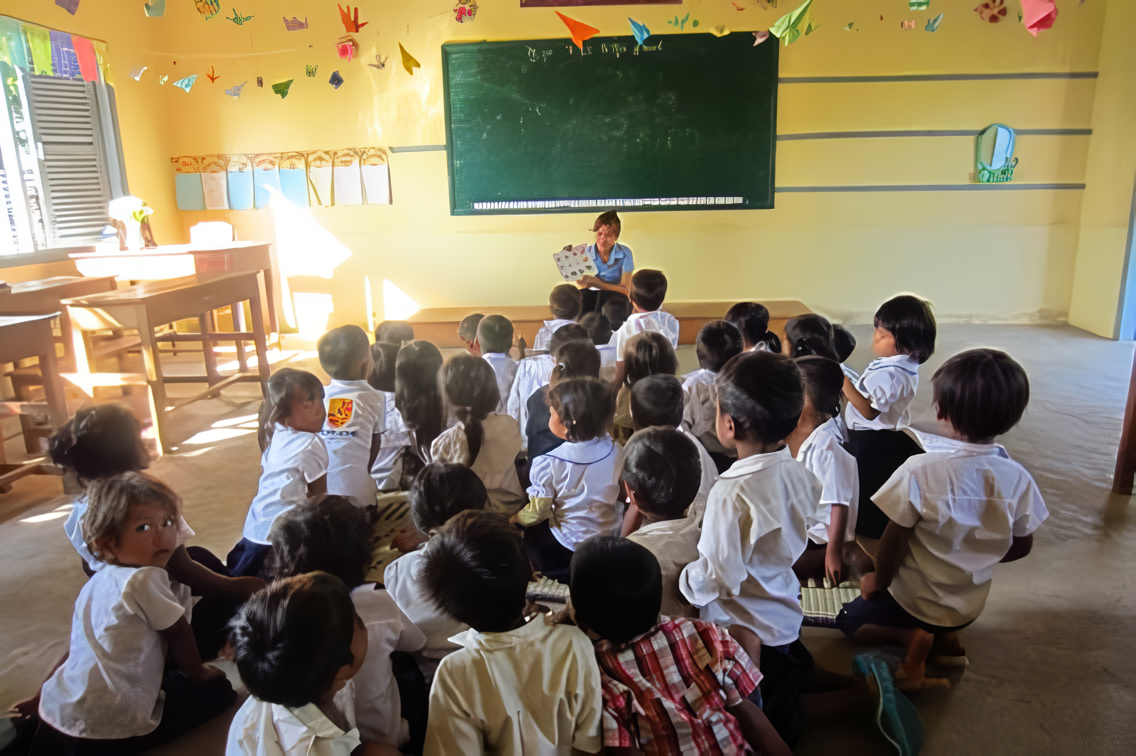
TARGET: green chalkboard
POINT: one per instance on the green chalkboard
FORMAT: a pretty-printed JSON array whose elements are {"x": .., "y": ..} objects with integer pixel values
[{"x": 685, "y": 122}]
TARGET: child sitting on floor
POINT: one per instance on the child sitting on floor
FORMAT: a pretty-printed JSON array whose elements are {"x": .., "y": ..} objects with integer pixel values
[
  {"x": 879, "y": 402},
  {"x": 387, "y": 470},
  {"x": 816, "y": 441},
  {"x": 418, "y": 398},
  {"x": 754, "y": 531},
  {"x": 657, "y": 402},
  {"x": 648, "y": 353},
  {"x": 752, "y": 319},
  {"x": 439, "y": 493},
  {"x": 660, "y": 474},
  {"x": 648, "y": 290},
  {"x": 356, "y": 414},
  {"x": 467, "y": 331},
  {"x": 103, "y": 441},
  {"x": 480, "y": 439},
  {"x": 574, "y": 359},
  {"x": 397, "y": 332},
  {"x": 298, "y": 644},
  {"x": 533, "y": 372},
  {"x": 954, "y": 513},
  {"x": 514, "y": 687},
  {"x": 293, "y": 467},
  {"x": 494, "y": 340},
  {"x": 599, "y": 331},
  {"x": 114, "y": 692},
  {"x": 717, "y": 343},
  {"x": 809, "y": 334},
  {"x": 670, "y": 685},
  {"x": 330, "y": 535},
  {"x": 564, "y": 302},
  {"x": 574, "y": 489}
]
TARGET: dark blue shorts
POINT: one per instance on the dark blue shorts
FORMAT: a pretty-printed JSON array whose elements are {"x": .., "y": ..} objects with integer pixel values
[{"x": 882, "y": 609}]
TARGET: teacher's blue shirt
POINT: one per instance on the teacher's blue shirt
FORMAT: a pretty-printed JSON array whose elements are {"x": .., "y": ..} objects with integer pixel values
[{"x": 618, "y": 263}]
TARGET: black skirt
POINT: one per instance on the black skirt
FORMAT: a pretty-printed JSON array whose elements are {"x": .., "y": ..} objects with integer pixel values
[{"x": 878, "y": 453}]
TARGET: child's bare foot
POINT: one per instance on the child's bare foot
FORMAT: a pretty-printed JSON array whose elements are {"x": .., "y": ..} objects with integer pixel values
[
  {"x": 912, "y": 672},
  {"x": 408, "y": 540}
]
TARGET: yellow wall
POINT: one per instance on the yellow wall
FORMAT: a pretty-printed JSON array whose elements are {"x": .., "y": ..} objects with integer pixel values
[
  {"x": 1111, "y": 169},
  {"x": 996, "y": 255}
]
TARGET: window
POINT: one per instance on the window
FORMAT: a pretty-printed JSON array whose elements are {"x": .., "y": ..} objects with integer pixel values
[{"x": 60, "y": 161}]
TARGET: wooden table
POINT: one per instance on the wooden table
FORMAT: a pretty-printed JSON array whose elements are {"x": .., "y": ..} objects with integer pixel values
[
  {"x": 44, "y": 296},
  {"x": 21, "y": 338},
  {"x": 170, "y": 261},
  {"x": 144, "y": 307}
]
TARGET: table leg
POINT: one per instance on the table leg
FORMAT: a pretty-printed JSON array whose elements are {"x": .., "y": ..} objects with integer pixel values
[
  {"x": 52, "y": 384},
  {"x": 239, "y": 325},
  {"x": 153, "y": 374},
  {"x": 262, "y": 365},
  {"x": 203, "y": 322}
]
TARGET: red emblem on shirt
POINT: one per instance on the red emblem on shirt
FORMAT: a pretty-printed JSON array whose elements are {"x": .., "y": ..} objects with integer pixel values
[{"x": 339, "y": 412}]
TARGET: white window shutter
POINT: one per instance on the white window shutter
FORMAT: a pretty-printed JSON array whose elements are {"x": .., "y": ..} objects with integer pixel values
[{"x": 73, "y": 167}]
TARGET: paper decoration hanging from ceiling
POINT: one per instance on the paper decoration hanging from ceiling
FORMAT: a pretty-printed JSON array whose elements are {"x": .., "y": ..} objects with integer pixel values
[
  {"x": 208, "y": 8},
  {"x": 294, "y": 178},
  {"x": 336, "y": 80},
  {"x": 347, "y": 48},
  {"x": 186, "y": 83},
  {"x": 235, "y": 91},
  {"x": 281, "y": 88},
  {"x": 187, "y": 183},
  {"x": 240, "y": 183},
  {"x": 409, "y": 62},
  {"x": 465, "y": 10},
  {"x": 295, "y": 24},
  {"x": 155, "y": 8},
  {"x": 39, "y": 50},
  {"x": 581, "y": 32},
  {"x": 639, "y": 31},
  {"x": 352, "y": 25},
  {"x": 87, "y": 59}
]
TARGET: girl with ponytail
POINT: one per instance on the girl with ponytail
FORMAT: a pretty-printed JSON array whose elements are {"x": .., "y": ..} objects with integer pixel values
[
  {"x": 480, "y": 439},
  {"x": 752, "y": 319}
]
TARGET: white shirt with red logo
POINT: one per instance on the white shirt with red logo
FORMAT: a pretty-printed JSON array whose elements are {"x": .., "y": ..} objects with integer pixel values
[{"x": 355, "y": 413}]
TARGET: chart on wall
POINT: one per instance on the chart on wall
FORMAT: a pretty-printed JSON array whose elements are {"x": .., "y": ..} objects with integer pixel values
[{"x": 681, "y": 122}]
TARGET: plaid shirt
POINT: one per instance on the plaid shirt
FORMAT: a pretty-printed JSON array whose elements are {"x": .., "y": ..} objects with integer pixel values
[{"x": 666, "y": 692}]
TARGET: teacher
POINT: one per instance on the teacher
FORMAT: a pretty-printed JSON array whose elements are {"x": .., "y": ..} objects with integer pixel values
[{"x": 614, "y": 265}]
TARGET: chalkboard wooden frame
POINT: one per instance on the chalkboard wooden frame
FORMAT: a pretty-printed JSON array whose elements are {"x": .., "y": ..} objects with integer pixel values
[{"x": 719, "y": 93}]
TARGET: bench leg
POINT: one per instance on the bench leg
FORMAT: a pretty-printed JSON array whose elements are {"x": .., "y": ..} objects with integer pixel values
[{"x": 153, "y": 376}]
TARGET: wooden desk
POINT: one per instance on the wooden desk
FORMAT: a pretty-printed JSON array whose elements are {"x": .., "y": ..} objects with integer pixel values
[
  {"x": 440, "y": 324},
  {"x": 44, "y": 296},
  {"x": 170, "y": 261},
  {"x": 144, "y": 307},
  {"x": 22, "y": 338}
]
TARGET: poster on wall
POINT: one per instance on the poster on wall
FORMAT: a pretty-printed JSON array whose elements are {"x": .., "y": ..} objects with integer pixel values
[
  {"x": 187, "y": 183},
  {"x": 348, "y": 181},
  {"x": 240, "y": 183},
  {"x": 294, "y": 178},
  {"x": 266, "y": 178},
  {"x": 214, "y": 181}
]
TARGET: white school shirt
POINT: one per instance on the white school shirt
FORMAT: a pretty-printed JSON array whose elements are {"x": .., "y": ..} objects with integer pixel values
[
  {"x": 267, "y": 729},
  {"x": 700, "y": 409},
  {"x": 377, "y": 702},
  {"x": 73, "y": 528},
  {"x": 496, "y": 460},
  {"x": 754, "y": 531},
  {"x": 582, "y": 479},
  {"x": 355, "y": 412},
  {"x": 544, "y": 335},
  {"x": 533, "y": 690},
  {"x": 533, "y": 373},
  {"x": 709, "y": 478},
  {"x": 505, "y": 368},
  {"x": 387, "y": 470},
  {"x": 607, "y": 354},
  {"x": 110, "y": 687},
  {"x": 292, "y": 460},
  {"x": 404, "y": 582},
  {"x": 890, "y": 383},
  {"x": 967, "y": 503},
  {"x": 675, "y": 545},
  {"x": 836, "y": 470},
  {"x": 656, "y": 320}
]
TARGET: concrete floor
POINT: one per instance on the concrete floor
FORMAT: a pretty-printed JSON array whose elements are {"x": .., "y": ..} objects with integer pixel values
[{"x": 1051, "y": 667}]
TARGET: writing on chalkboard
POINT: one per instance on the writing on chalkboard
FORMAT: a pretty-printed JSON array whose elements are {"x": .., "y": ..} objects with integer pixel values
[{"x": 584, "y": 204}]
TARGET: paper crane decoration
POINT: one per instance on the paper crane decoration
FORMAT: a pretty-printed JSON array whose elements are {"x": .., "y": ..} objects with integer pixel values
[
  {"x": 352, "y": 25},
  {"x": 336, "y": 80},
  {"x": 235, "y": 92},
  {"x": 186, "y": 83},
  {"x": 792, "y": 26},
  {"x": 640, "y": 31},
  {"x": 295, "y": 24},
  {"x": 212, "y": 75},
  {"x": 933, "y": 24},
  {"x": 409, "y": 62},
  {"x": 282, "y": 88},
  {"x": 581, "y": 32},
  {"x": 380, "y": 63},
  {"x": 347, "y": 48},
  {"x": 1038, "y": 15}
]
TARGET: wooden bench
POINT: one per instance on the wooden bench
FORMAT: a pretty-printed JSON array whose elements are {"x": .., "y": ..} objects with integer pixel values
[{"x": 440, "y": 324}]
